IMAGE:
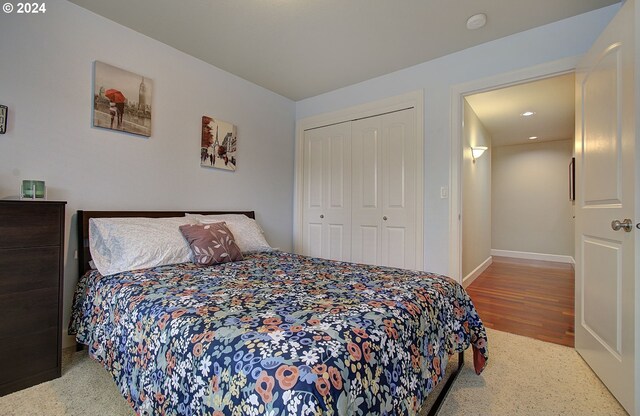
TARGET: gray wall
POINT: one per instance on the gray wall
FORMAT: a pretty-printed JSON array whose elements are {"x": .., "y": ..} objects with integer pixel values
[
  {"x": 46, "y": 78},
  {"x": 531, "y": 210},
  {"x": 566, "y": 38},
  {"x": 476, "y": 194}
]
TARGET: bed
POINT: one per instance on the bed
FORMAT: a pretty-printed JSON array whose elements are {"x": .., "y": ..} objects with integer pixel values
[{"x": 274, "y": 334}]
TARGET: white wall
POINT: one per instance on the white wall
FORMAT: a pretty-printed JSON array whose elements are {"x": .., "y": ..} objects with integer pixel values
[
  {"x": 531, "y": 210},
  {"x": 476, "y": 194},
  {"x": 46, "y": 80},
  {"x": 566, "y": 38}
]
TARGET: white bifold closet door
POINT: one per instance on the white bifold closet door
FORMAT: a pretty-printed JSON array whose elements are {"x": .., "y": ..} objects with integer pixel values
[
  {"x": 327, "y": 192},
  {"x": 383, "y": 200}
]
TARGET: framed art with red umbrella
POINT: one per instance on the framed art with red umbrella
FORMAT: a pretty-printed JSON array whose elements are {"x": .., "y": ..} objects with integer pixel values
[{"x": 121, "y": 100}]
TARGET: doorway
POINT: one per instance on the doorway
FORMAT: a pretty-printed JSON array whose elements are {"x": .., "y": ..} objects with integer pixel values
[
  {"x": 517, "y": 214},
  {"x": 606, "y": 275}
]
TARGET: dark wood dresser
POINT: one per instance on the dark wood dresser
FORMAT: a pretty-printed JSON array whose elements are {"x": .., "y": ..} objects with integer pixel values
[{"x": 31, "y": 261}]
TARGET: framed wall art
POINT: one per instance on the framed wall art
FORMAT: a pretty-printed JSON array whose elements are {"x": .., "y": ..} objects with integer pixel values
[
  {"x": 218, "y": 144},
  {"x": 121, "y": 100}
]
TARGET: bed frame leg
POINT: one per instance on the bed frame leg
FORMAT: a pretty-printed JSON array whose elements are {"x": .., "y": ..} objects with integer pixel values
[{"x": 437, "y": 404}]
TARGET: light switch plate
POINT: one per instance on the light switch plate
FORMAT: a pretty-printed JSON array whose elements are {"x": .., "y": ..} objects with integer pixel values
[
  {"x": 4, "y": 111},
  {"x": 444, "y": 192}
]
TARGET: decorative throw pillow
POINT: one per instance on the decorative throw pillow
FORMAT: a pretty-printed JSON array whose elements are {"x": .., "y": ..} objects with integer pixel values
[
  {"x": 211, "y": 243},
  {"x": 247, "y": 232}
]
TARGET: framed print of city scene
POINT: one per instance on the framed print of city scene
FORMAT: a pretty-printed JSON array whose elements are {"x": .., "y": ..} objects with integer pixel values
[
  {"x": 121, "y": 100},
  {"x": 218, "y": 145}
]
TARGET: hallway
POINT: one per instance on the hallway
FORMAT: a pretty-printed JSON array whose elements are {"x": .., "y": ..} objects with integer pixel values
[{"x": 527, "y": 297}]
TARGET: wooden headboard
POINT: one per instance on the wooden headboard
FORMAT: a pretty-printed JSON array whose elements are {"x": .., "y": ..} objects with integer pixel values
[{"x": 84, "y": 255}]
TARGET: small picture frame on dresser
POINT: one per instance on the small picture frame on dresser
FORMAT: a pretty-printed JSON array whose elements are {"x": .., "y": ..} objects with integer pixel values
[{"x": 32, "y": 189}]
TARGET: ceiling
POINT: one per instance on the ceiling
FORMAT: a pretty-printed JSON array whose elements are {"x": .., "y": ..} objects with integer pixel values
[
  {"x": 302, "y": 48},
  {"x": 552, "y": 100}
]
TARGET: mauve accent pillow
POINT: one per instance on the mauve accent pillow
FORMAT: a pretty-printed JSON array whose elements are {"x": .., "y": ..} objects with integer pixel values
[
  {"x": 247, "y": 232},
  {"x": 211, "y": 243}
]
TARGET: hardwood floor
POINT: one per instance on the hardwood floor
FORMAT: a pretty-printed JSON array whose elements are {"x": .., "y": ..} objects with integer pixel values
[{"x": 527, "y": 297}]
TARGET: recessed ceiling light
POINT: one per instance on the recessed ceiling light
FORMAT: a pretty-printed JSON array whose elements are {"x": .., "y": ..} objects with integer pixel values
[
  {"x": 527, "y": 113},
  {"x": 533, "y": 137},
  {"x": 476, "y": 21}
]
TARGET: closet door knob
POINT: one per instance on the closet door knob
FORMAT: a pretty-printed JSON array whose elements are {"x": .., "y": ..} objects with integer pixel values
[
  {"x": 321, "y": 215},
  {"x": 384, "y": 218},
  {"x": 626, "y": 225}
]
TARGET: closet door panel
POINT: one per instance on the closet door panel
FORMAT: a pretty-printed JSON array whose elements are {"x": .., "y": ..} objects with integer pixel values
[
  {"x": 398, "y": 177},
  {"x": 366, "y": 209},
  {"x": 313, "y": 200},
  {"x": 327, "y": 189},
  {"x": 337, "y": 212}
]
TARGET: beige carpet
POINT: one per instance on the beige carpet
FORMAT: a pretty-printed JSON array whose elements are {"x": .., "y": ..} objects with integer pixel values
[{"x": 524, "y": 377}]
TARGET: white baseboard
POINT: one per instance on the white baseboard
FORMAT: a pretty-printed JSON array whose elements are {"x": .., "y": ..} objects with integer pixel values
[
  {"x": 533, "y": 256},
  {"x": 468, "y": 279}
]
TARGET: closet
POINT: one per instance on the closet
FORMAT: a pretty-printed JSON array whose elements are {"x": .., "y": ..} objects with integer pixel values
[{"x": 359, "y": 191}]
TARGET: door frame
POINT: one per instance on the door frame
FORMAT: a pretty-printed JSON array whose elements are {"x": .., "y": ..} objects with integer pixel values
[
  {"x": 413, "y": 99},
  {"x": 458, "y": 93}
]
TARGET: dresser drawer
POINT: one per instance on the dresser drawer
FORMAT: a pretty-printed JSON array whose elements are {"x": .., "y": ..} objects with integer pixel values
[
  {"x": 27, "y": 356},
  {"x": 26, "y": 269},
  {"x": 30, "y": 224},
  {"x": 28, "y": 312}
]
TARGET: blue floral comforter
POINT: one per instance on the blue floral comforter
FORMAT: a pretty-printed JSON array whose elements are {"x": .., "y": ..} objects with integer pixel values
[{"x": 275, "y": 334}]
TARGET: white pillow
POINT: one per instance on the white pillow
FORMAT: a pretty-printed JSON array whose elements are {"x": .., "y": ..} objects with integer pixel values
[
  {"x": 123, "y": 244},
  {"x": 246, "y": 231}
]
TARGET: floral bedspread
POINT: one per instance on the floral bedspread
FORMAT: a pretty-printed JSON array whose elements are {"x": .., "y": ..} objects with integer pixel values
[{"x": 276, "y": 334}]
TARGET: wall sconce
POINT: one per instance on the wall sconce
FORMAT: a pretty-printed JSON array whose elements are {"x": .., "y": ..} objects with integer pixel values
[{"x": 477, "y": 151}]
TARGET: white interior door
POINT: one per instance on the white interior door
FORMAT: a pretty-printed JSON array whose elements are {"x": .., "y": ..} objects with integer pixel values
[
  {"x": 366, "y": 188},
  {"x": 384, "y": 184},
  {"x": 605, "y": 172},
  {"x": 326, "y": 212},
  {"x": 398, "y": 179}
]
